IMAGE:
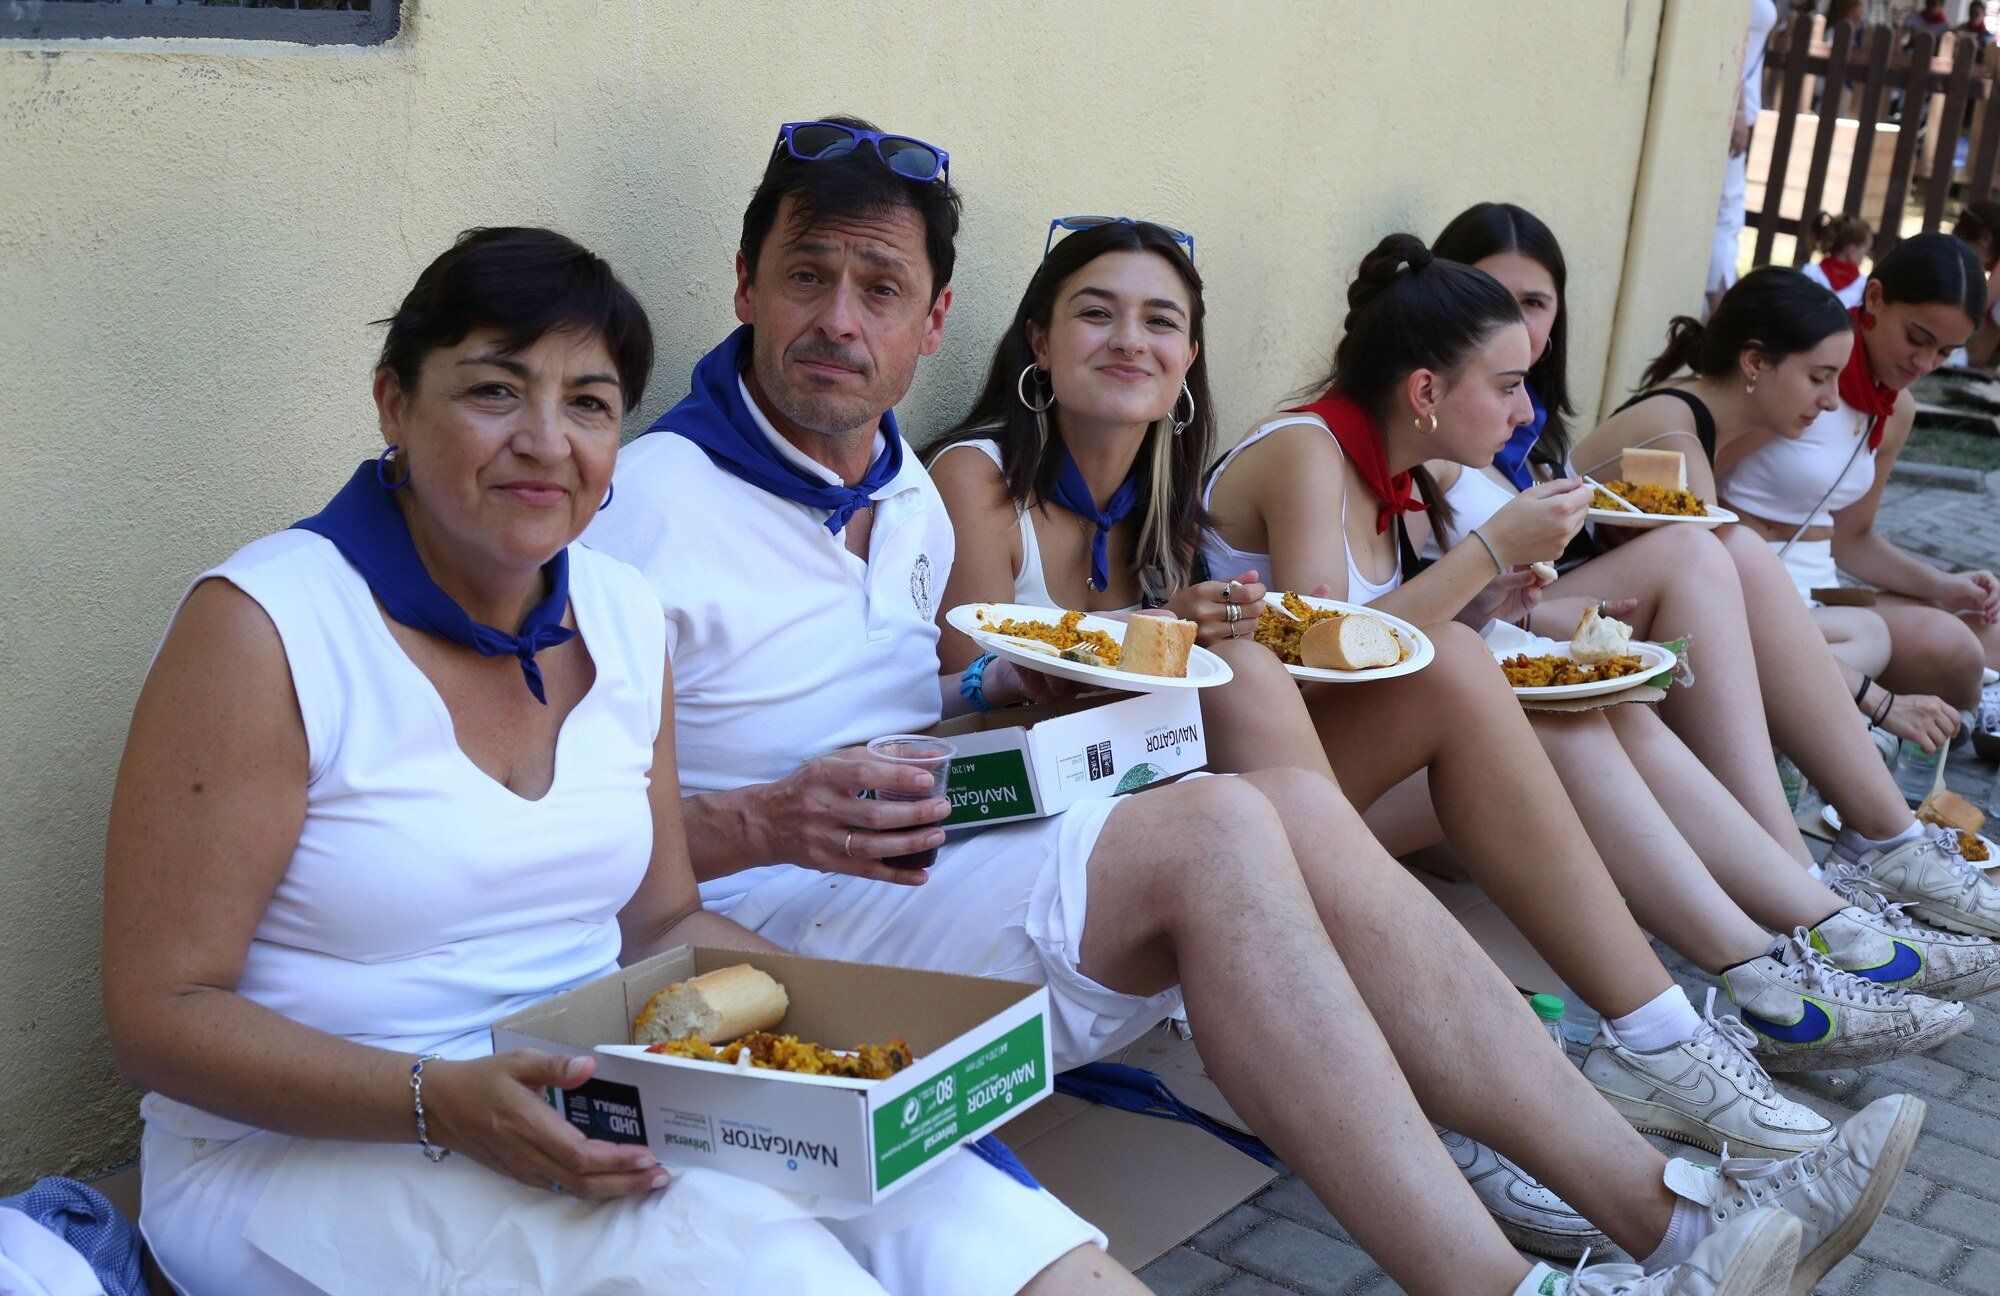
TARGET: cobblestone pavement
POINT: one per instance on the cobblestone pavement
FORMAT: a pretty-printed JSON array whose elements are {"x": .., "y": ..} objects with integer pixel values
[{"x": 1941, "y": 1233}]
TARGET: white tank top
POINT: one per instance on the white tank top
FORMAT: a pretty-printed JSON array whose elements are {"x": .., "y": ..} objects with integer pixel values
[
  {"x": 425, "y": 899},
  {"x": 1785, "y": 477},
  {"x": 1225, "y": 560},
  {"x": 1030, "y": 586},
  {"x": 1473, "y": 499}
]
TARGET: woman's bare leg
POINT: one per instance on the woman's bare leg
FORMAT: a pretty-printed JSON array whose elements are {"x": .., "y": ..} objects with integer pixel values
[
  {"x": 1502, "y": 807},
  {"x": 1751, "y": 868},
  {"x": 1672, "y": 893},
  {"x": 1687, "y": 585},
  {"x": 1256, "y": 720},
  {"x": 1857, "y": 637},
  {"x": 1934, "y": 652},
  {"x": 1807, "y": 700}
]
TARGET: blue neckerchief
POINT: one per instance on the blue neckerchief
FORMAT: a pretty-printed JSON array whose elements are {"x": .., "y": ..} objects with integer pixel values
[
  {"x": 1073, "y": 493},
  {"x": 715, "y": 417},
  {"x": 368, "y": 529},
  {"x": 1512, "y": 460}
]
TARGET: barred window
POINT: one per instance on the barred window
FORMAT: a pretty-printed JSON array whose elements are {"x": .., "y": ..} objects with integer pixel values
[{"x": 305, "y": 22}]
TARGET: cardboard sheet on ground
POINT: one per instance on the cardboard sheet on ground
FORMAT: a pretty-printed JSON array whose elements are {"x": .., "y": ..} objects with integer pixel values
[{"x": 1150, "y": 1184}]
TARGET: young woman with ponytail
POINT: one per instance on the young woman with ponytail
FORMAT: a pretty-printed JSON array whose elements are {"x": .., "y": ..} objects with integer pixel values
[
  {"x": 1431, "y": 367},
  {"x": 1772, "y": 374}
]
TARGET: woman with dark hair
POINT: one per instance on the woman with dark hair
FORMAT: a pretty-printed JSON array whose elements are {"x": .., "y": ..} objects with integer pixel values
[
  {"x": 1841, "y": 241},
  {"x": 1431, "y": 366},
  {"x": 408, "y": 767},
  {"x": 1774, "y": 368},
  {"x": 1693, "y": 582}
]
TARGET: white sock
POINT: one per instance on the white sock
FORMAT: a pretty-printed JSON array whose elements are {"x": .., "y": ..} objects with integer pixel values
[
  {"x": 1660, "y": 1023},
  {"x": 1685, "y": 1232},
  {"x": 1854, "y": 843},
  {"x": 1543, "y": 1280}
]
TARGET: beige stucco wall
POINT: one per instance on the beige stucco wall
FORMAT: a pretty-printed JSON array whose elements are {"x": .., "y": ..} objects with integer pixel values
[{"x": 192, "y": 241}]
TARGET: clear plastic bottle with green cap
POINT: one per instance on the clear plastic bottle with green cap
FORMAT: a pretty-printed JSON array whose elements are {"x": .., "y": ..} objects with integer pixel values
[{"x": 1550, "y": 1008}]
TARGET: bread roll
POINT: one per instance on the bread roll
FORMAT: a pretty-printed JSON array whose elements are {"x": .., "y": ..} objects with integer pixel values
[
  {"x": 1157, "y": 645},
  {"x": 1950, "y": 810},
  {"x": 716, "y": 1006},
  {"x": 1664, "y": 468},
  {"x": 1599, "y": 638},
  {"x": 1352, "y": 642}
]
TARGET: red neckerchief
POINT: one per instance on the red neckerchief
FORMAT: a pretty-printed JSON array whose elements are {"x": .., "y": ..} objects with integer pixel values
[
  {"x": 1857, "y": 382},
  {"x": 1362, "y": 442},
  {"x": 1839, "y": 272}
]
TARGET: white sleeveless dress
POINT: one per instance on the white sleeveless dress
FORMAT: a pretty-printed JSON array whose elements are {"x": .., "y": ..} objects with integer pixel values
[{"x": 424, "y": 900}]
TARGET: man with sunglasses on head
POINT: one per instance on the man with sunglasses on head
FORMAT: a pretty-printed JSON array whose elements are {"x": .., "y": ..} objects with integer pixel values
[{"x": 799, "y": 549}]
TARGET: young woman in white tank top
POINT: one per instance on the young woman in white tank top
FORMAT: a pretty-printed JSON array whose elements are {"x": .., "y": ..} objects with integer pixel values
[
  {"x": 356, "y": 823},
  {"x": 1793, "y": 458},
  {"x": 1714, "y": 894},
  {"x": 1673, "y": 582}
]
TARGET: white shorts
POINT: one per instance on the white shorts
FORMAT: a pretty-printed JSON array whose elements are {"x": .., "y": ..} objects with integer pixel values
[
  {"x": 1811, "y": 566},
  {"x": 280, "y": 1216},
  {"x": 1007, "y": 902}
]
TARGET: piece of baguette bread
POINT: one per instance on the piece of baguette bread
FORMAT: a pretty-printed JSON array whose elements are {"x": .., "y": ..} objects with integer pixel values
[
  {"x": 1950, "y": 810},
  {"x": 1664, "y": 468},
  {"x": 1352, "y": 642},
  {"x": 1157, "y": 645},
  {"x": 717, "y": 1006}
]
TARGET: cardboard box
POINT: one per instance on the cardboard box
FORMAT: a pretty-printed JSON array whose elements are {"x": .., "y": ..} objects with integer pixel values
[
  {"x": 982, "y": 1050},
  {"x": 1025, "y": 762}
]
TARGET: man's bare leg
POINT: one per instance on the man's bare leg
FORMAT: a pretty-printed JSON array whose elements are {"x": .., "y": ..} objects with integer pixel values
[
  {"x": 1086, "y": 1271},
  {"x": 1202, "y": 889}
]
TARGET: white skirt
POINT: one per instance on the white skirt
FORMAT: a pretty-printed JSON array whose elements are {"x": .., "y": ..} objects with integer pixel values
[
  {"x": 281, "y": 1216},
  {"x": 1811, "y": 565}
]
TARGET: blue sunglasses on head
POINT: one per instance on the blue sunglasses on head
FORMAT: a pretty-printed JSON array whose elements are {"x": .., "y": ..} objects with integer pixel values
[
  {"x": 819, "y": 141},
  {"x": 1071, "y": 224}
]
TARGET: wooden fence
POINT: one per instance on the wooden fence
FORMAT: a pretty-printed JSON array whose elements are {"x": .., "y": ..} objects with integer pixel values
[{"x": 1870, "y": 121}]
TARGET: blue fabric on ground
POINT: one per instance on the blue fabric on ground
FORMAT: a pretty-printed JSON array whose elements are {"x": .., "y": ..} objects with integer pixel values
[
  {"x": 83, "y": 1217},
  {"x": 1135, "y": 1089}
]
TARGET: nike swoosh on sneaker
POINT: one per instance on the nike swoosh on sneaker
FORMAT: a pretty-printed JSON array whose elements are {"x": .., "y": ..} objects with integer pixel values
[
  {"x": 1812, "y": 1027},
  {"x": 1700, "y": 1093},
  {"x": 1905, "y": 963}
]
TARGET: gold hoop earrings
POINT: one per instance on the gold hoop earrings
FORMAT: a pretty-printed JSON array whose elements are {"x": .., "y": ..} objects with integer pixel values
[{"x": 1431, "y": 430}]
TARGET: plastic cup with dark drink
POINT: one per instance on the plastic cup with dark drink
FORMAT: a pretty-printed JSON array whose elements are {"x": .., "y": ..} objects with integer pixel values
[{"x": 932, "y": 755}]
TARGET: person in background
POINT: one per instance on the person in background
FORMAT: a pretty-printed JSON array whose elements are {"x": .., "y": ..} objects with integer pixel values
[
  {"x": 1974, "y": 25},
  {"x": 1978, "y": 227},
  {"x": 1729, "y": 219},
  {"x": 1842, "y": 241},
  {"x": 1928, "y": 17},
  {"x": 1852, "y": 12}
]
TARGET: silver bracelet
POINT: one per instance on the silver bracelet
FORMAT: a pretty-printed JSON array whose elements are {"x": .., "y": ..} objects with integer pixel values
[
  {"x": 436, "y": 1154},
  {"x": 1491, "y": 552}
]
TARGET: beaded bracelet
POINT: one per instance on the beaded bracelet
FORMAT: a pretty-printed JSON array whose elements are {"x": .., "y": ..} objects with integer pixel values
[{"x": 436, "y": 1154}]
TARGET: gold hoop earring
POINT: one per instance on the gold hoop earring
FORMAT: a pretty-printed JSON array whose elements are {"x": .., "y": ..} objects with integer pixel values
[{"x": 1432, "y": 430}]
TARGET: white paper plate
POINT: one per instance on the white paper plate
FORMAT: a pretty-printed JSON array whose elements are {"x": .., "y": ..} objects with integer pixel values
[
  {"x": 1205, "y": 669},
  {"x": 1417, "y": 649},
  {"x": 1656, "y": 657},
  {"x": 1831, "y": 818},
  {"x": 1717, "y": 516}
]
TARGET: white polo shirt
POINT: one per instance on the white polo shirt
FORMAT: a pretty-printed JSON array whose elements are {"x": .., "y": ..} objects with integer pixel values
[{"x": 784, "y": 645}]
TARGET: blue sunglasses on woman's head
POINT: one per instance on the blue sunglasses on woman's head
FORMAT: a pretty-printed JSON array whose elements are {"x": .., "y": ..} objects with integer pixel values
[
  {"x": 819, "y": 141},
  {"x": 1071, "y": 224}
]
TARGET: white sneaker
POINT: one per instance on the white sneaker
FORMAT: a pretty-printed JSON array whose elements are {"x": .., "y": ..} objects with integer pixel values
[
  {"x": 1874, "y": 939},
  {"x": 1836, "y": 1192},
  {"x": 1809, "y": 1015},
  {"x": 1887, "y": 744},
  {"x": 1932, "y": 876},
  {"x": 1751, "y": 1256},
  {"x": 1529, "y": 1215},
  {"x": 1986, "y": 724},
  {"x": 1705, "y": 1091}
]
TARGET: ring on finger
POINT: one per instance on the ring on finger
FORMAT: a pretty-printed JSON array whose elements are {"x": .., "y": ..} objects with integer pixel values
[
  {"x": 1232, "y": 612},
  {"x": 1233, "y": 628},
  {"x": 1228, "y": 589},
  {"x": 847, "y": 843}
]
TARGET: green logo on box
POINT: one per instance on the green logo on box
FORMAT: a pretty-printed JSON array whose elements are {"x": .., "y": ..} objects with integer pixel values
[
  {"x": 992, "y": 785},
  {"x": 1138, "y": 776},
  {"x": 1006, "y": 1074}
]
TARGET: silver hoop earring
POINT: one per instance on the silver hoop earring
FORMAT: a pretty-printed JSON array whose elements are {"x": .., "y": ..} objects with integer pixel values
[
  {"x": 1021, "y": 389},
  {"x": 1181, "y": 424}
]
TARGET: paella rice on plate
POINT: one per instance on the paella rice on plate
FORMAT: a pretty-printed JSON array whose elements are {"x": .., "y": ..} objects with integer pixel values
[{"x": 1551, "y": 671}]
